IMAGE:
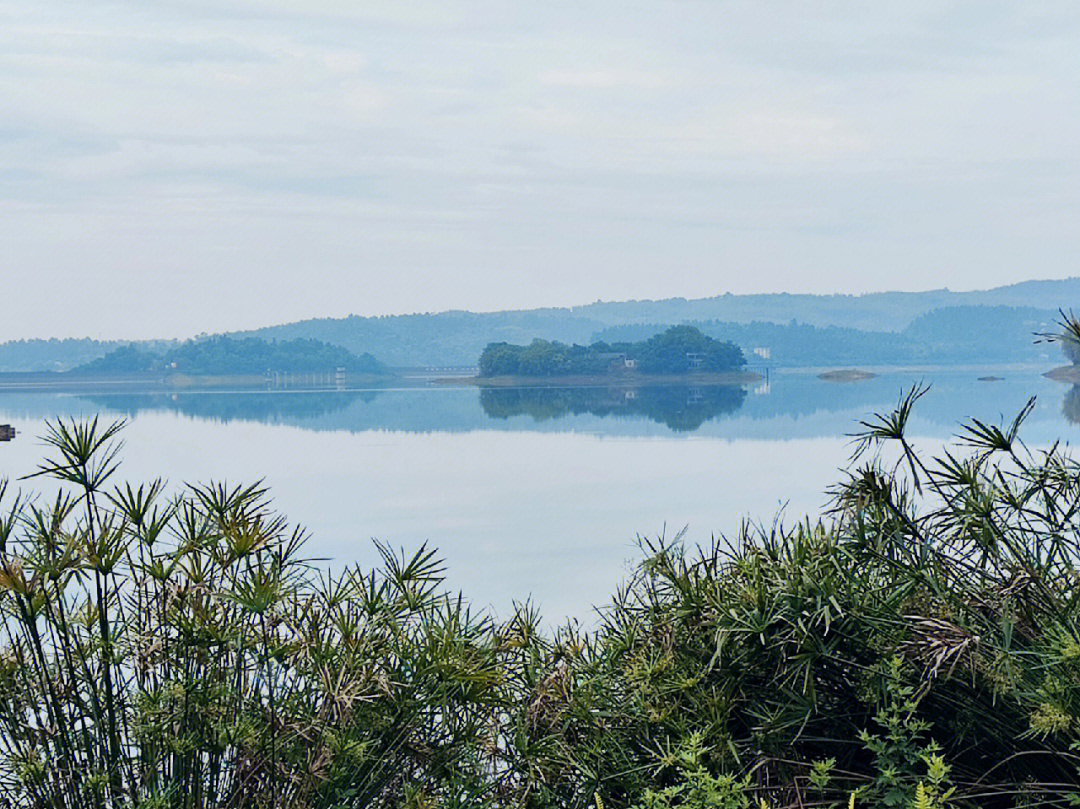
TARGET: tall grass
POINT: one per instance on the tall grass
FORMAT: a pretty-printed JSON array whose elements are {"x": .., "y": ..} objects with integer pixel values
[{"x": 918, "y": 645}]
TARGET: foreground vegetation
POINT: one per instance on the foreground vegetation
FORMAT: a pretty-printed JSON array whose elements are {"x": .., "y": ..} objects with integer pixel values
[{"x": 918, "y": 647}]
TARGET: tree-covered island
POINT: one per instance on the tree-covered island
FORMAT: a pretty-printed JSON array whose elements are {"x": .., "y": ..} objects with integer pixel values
[
  {"x": 676, "y": 351},
  {"x": 222, "y": 356}
]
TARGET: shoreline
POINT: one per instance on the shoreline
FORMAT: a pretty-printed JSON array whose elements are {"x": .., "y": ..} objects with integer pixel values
[
  {"x": 150, "y": 383},
  {"x": 605, "y": 381}
]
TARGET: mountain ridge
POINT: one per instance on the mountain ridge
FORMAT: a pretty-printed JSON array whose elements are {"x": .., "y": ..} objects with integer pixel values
[{"x": 456, "y": 337}]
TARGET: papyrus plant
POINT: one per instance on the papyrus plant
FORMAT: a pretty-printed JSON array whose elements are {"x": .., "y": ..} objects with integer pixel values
[{"x": 176, "y": 650}]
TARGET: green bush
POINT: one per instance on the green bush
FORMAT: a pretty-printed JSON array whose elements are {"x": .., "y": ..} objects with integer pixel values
[{"x": 922, "y": 638}]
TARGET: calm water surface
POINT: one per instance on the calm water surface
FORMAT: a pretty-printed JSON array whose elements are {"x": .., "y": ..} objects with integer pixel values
[{"x": 531, "y": 493}]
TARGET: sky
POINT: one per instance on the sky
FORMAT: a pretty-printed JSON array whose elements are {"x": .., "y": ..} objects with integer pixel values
[{"x": 172, "y": 168}]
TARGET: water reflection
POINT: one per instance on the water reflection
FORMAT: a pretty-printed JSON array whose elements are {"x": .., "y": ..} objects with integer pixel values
[
  {"x": 264, "y": 406},
  {"x": 524, "y": 491},
  {"x": 683, "y": 408},
  {"x": 1070, "y": 405},
  {"x": 793, "y": 405}
]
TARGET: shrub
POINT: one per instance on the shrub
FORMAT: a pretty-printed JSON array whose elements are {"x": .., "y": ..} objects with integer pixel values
[{"x": 923, "y": 637}]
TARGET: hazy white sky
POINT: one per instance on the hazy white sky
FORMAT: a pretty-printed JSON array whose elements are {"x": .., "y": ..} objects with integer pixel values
[{"x": 168, "y": 168}]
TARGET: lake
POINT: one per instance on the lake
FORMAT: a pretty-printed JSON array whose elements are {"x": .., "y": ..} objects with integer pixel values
[{"x": 531, "y": 493}]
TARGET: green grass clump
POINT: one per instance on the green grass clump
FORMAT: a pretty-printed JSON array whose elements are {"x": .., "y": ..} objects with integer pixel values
[{"x": 918, "y": 646}]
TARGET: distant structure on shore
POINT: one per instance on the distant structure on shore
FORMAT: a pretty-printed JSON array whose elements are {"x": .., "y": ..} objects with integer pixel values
[{"x": 7, "y": 432}]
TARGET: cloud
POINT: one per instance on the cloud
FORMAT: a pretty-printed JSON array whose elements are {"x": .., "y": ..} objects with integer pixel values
[
  {"x": 602, "y": 79},
  {"x": 482, "y": 154}
]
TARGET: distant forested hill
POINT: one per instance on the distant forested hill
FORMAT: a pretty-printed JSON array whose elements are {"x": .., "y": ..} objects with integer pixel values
[
  {"x": 51, "y": 355},
  {"x": 880, "y": 328},
  {"x": 961, "y": 335},
  {"x": 880, "y": 311},
  {"x": 457, "y": 338},
  {"x": 446, "y": 338},
  {"x": 218, "y": 356}
]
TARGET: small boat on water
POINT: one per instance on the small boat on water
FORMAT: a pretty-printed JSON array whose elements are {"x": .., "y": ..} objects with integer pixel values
[{"x": 7, "y": 432}]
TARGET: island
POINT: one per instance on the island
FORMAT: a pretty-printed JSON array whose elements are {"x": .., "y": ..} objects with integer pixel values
[
  {"x": 222, "y": 360},
  {"x": 676, "y": 354}
]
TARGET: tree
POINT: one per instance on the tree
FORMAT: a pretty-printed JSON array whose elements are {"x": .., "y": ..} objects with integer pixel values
[{"x": 669, "y": 352}]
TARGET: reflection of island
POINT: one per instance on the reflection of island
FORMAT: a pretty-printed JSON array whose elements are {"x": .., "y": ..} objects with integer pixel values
[
  {"x": 1070, "y": 405},
  {"x": 792, "y": 405},
  {"x": 681, "y": 407},
  {"x": 264, "y": 406}
]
